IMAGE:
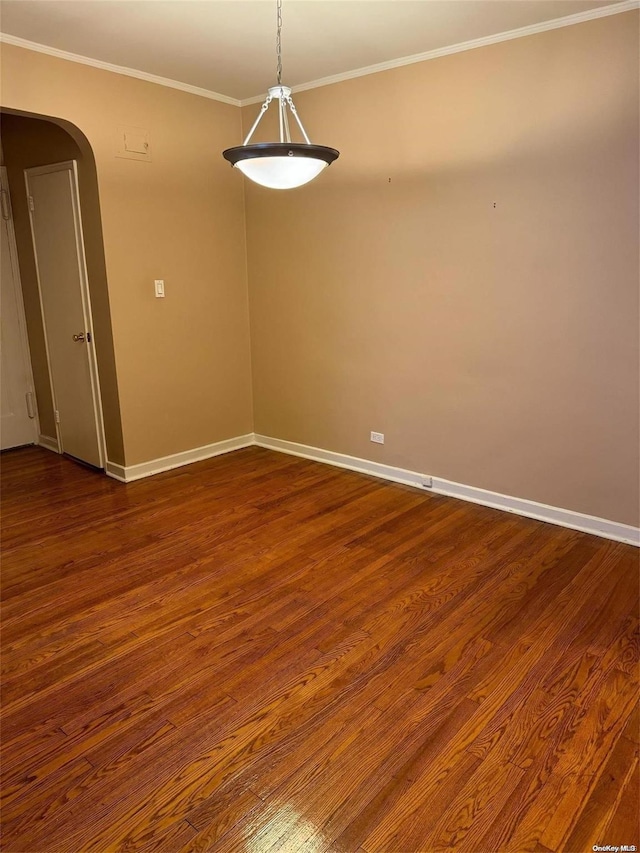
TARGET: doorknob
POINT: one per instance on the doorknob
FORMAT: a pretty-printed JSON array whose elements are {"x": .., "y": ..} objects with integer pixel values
[{"x": 79, "y": 337}]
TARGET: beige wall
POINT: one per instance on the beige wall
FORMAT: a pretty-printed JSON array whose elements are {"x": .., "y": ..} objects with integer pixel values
[
  {"x": 28, "y": 142},
  {"x": 465, "y": 277},
  {"x": 183, "y": 362}
]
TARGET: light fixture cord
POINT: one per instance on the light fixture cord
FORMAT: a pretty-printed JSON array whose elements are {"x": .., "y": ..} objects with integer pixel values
[{"x": 279, "y": 40}]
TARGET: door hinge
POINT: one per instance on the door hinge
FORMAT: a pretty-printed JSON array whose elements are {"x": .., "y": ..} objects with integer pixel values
[
  {"x": 31, "y": 409},
  {"x": 57, "y": 416},
  {"x": 88, "y": 337},
  {"x": 6, "y": 209},
  {"x": 31, "y": 204}
]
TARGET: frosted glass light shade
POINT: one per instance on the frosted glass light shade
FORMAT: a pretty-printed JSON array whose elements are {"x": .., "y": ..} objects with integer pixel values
[
  {"x": 281, "y": 173},
  {"x": 281, "y": 165}
]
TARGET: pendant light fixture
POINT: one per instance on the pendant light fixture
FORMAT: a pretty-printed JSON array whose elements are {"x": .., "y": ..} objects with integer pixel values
[{"x": 285, "y": 164}]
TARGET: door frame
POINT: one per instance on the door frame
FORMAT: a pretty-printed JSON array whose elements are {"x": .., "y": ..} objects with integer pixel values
[
  {"x": 71, "y": 166},
  {"x": 6, "y": 211}
]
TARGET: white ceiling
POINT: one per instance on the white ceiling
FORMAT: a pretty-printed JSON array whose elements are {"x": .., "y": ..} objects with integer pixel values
[{"x": 228, "y": 46}]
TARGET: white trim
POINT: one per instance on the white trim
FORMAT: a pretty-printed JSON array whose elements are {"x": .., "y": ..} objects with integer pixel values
[
  {"x": 117, "y": 69},
  {"x": 507, "y": 503},
  {"x": 532, "y": 29},
  {"x": 117, "y": 472},
  {"x": 71, "y": 168},
  {"x": 59, "y": 447},
  {"x": 19, "y": 296},
  {"x": 340, "y": 460},
  {"x": 88, "y": 313},
  {"x": 49, "y": 443},
  {"x": 521, "y": 32},
  {"x": 531, "y": 509},
  {"x": 127, "y": 474}
]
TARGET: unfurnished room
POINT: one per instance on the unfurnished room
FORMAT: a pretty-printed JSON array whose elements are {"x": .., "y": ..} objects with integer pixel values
[{"x": 320, "y": 426}]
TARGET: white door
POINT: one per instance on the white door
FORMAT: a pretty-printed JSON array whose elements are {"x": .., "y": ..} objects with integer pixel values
[
  {"x": 18, "y": 423},
  {"x": 66, "y": 311}
]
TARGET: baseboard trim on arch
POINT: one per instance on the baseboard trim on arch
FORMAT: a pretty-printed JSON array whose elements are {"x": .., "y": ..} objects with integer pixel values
[{"x": 48, "y": 442}]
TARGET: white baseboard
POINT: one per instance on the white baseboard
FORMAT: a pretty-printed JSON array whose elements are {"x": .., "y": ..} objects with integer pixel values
[
  {"x": 531, "y": 509},
  {"x": 49, "y": 443},
  {"x": 128, "y": 473},
  {"x": 507, "y": 503},
  {"x": 363, "y": 466}
]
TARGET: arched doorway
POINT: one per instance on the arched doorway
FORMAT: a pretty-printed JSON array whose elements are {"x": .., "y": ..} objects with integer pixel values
[{"x": 29, "y": 142}]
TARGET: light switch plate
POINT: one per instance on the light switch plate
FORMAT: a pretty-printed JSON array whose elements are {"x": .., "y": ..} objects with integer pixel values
[{"x": 159, "y": 286}]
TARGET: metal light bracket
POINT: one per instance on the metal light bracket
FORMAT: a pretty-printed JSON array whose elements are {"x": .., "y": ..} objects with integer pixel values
[{"x": 283, "y": 95}]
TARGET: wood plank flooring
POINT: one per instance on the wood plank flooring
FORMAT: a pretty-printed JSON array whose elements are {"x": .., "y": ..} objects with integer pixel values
[{"x": 260, "y": 653}]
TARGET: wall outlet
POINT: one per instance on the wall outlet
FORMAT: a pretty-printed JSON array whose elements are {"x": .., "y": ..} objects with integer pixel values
[
  {"x": 159, "y": 286},
  {"x": 377, "y": 437}
]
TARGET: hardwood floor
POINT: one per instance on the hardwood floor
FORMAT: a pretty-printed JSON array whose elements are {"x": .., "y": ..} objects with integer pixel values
[{"x": 263, "y": 653}]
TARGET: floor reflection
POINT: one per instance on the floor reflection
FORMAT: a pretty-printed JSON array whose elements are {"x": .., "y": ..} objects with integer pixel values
[{"x": 284, "y": 830}]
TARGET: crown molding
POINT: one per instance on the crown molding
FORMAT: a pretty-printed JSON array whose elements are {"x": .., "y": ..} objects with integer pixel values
[
  {"x": 5, "y": 38},
  {"x": 521, "y": 32},
  {"x": 533, "y": 29}
]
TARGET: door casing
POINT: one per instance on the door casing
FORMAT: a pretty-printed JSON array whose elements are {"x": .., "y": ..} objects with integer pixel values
[
  {"x": 71, "y": 167},
  {"x": 26, "y": 369}
]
